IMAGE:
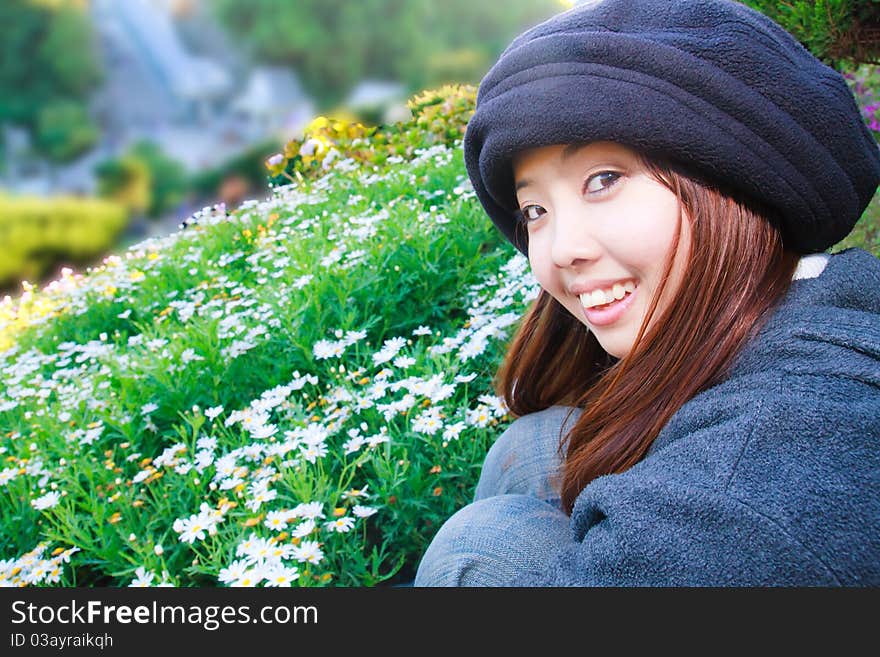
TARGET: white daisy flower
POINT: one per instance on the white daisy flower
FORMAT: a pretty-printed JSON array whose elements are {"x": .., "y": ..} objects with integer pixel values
[
  {"x": 233, "y": 571},
  {"x": 302, "y": 281},
  {"x": 324, "y": 349},
  {"x": 303, "y": 529},
  {"x": 312, "y": 453},
  {"x": 277, "y": 520},
  {"x": 340, "y": 525},
  {"x": 309, "y": 551},
  {"x": 389, "y": 350},
  {"x": 261, "y": 431},
  {"x": 379, "y": 438},
  {"x": 7, "y": 475},
  {"x": 211, "y": 413},
  {"x": 499, "y": 408},
  {"x": 480, "y": 416},
  {"x": 255, "y": 549},
  {"x": 143, "y": 578},
  {"x": 354, "y": 444},
  {"x": 428, "y": 422},
  {"x": 281, "y": 575},
  {"x": 47, "y": 501},
  {"x": 355, "y": 493},
  {"x": 453, "y": 431},
  {"x": 250, "y": 578},
  {"x": 354, "y": 336},
  {"x": 309, "y": 510}
]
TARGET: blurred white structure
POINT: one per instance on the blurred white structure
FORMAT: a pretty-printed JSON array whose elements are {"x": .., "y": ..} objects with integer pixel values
[
  {"x": 385, "y": 98},
  {"x": 273, "y": 101},
  {"x": 192, "y": 84}
]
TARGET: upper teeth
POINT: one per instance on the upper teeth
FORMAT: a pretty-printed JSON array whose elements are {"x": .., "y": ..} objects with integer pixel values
[{"x": 601, "y": 297}]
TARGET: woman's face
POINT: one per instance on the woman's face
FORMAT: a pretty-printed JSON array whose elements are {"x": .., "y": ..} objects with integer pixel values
[{"x": 597, "y": 220}]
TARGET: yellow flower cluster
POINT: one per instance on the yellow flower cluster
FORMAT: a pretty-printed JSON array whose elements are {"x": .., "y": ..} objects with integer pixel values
[{"x": 438, "y": 116}]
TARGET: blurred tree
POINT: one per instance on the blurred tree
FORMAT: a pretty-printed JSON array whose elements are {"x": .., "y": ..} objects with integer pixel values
[
  {"x": 144, "y": 179},
  {"x": 48, "y": 57},
  {"x": 450, "y": 66},
  {"x": 169, "y": 181},
  {"x": 463, "y": 38},
  {"x": 68, "y": 49},
  {"x": 125, "y": 180},
  {"x": 64, "y": 130},
  {"x": 332, "y": 44},
  {"x": 840, "y": 32}
]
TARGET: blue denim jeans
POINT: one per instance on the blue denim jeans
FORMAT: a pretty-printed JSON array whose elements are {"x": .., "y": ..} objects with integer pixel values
[{"x": 515, "y": 521}]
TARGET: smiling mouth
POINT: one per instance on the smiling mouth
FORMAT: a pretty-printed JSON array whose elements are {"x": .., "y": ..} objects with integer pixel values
[
  {"x": 605, "y": 314},
  {"x": 604, "y": 306},
  {"x": 605, "y": 298}
]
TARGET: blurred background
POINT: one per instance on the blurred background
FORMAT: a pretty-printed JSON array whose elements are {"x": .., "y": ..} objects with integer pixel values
[{"x": 120, "y": 118}]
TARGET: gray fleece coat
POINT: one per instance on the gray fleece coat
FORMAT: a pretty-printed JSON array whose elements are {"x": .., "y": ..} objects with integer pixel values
[{"x": 771, "y": 477}]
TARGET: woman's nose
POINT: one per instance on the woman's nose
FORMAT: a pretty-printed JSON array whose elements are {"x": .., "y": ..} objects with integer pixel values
[{"x": 573, "y": 240}]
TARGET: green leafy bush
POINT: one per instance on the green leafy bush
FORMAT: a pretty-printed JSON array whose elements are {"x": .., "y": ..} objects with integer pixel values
[
  {"x": 307, "y": 379},
  {"x": 50, "y": 66},
  {"x": 65, "y": 131},
  {"x": 125, "y": 180},
  {"x": 169, "y": 180},
  {"x": 437, "y": 117},
  {"x": 37, "y": 233},
  {"x": 836, "y": 31},
  {"x": 144, "y": 179}
]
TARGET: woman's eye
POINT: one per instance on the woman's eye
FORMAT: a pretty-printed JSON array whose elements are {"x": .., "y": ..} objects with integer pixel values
[
  {"x": 601, "y": 181},
  {"x": 531, "y": 212}
]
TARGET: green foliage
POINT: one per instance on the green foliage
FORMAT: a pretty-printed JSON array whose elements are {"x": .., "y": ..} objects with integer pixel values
[
  {"x": 864, "y": 81},
  {"x": 126, "y": 181},
  {"x": 438, "y": 116},
  {"x": 48, "y": 58},
  {"x": 64, "y": 130},
  {"x": 836, "y": 31},
  {"x": 144, "y": 179},
  {"x": 334, "y": 43},
  {"x": 37, "y": 234},
  {"x": 456, "y": 65},
  {"x": 169, "y": 180},
  {"x": 231, "y": 308},
  {"x": 68, "y": 50},
  {"x": 866, "y": 233}
]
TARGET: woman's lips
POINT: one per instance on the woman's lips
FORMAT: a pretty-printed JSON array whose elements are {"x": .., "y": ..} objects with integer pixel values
[{"x": 611, "y": 313}]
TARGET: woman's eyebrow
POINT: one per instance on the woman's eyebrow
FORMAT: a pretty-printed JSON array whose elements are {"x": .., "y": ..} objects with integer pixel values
[{"x": 568, "y": 152}]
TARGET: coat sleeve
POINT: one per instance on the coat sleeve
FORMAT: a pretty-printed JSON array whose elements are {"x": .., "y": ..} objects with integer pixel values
[
  {"x": 723, "y": 503},
  {"x": 664, "y": 534}
]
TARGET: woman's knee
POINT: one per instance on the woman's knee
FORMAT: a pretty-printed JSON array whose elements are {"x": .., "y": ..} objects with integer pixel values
[
  {"x": 525, "y": 459},
  {"x": 493, "y": 542}
]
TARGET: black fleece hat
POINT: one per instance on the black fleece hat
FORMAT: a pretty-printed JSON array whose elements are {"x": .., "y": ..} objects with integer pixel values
[{"x": 709, "y": 85}]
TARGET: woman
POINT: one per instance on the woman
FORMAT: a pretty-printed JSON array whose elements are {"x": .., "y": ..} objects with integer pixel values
[{"x": 697, "y": 385}]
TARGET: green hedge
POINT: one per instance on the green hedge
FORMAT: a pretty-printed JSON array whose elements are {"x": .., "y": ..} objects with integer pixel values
[{"x": 35, "y": 233}]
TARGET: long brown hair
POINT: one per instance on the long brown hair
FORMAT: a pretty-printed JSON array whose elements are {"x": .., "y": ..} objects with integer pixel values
[{"x": 736, "y": 272}]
